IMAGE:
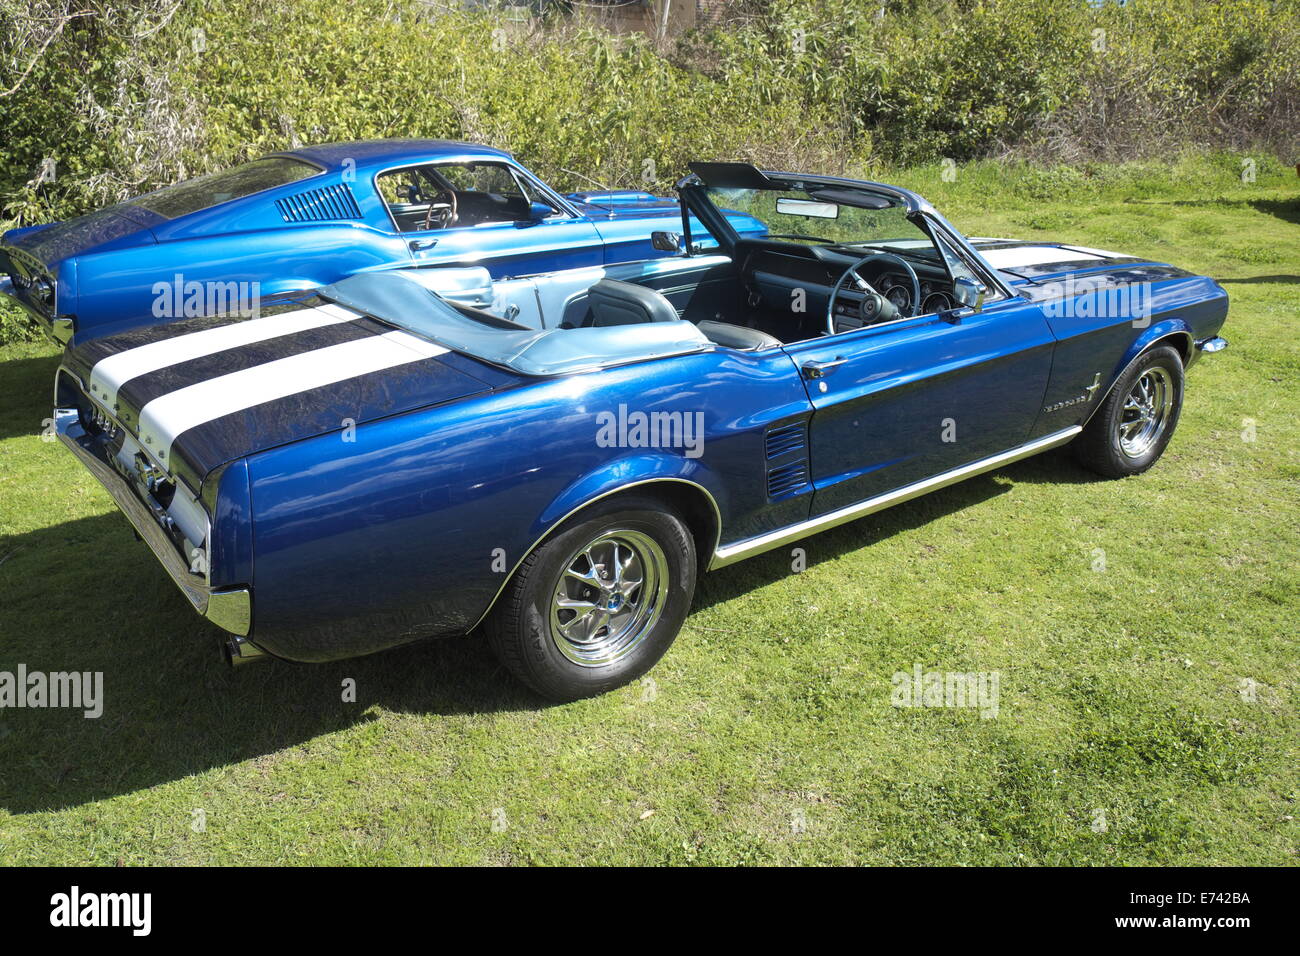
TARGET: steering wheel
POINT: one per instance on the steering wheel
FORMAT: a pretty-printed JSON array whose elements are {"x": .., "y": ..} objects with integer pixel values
[
  {"x": 446, "y": 214},
  {"x": 875, "y": 307}
]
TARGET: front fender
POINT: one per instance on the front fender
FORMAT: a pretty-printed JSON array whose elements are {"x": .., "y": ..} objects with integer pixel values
[
  {"x": 1175, "y": 327},
  {"x": 1174, "y": 331}
]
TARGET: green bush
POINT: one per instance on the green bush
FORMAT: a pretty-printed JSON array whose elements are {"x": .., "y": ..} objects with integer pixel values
[{"x": 131, "y": 94}]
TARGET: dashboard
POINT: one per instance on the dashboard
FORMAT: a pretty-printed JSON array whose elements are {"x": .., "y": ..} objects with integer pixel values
[
  {"x": 936, "y": 295},
  {"x": 779, "y": 273}
]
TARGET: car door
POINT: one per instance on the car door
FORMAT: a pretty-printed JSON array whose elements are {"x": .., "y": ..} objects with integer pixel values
[
  {"x": 505, "y": 221},
  {"x": 903, "y": 401},
  {"x": 512, "y": 249}
]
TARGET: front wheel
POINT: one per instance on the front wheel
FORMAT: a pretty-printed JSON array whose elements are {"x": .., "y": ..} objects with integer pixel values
[
  {"x": 599, "y": 603},
  {"x": 1130, "y": 430}
]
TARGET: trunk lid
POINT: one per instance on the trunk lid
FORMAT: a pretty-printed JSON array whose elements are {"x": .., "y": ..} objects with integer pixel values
[
  {"x": 116, "y": 227},
  {"x": 199, "y": 393}
]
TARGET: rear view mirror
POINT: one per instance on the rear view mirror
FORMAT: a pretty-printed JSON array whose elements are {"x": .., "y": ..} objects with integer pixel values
[
  {"x": 666, "y": 241},
  {"x": 807, "y": 207},
  {"x": 537, "y": 211},
  {"x": 969, "y": 293}
]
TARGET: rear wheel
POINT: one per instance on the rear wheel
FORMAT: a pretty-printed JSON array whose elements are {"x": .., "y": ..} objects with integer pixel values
[
  {"x": 1131, "y": 429},
  {"x": 599, "y": 602}
]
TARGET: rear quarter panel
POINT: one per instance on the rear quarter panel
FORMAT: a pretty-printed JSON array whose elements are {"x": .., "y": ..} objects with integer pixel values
[
  {"x": 118, "y": 290},
  {"x": 412, "y": 529}
]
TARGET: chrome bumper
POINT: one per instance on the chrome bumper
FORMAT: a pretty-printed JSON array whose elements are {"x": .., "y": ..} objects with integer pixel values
[
  {"x": 231, "y": 610},
  {"x": 1212, "y": 344},
  {"x": 59, "y": 329}
]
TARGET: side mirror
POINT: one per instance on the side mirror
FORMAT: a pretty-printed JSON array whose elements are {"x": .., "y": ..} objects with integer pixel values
[
  {"x": 537, "y": 211},
  {"x": 969, "y": 293},
  {"x": 666, "y": 241}
]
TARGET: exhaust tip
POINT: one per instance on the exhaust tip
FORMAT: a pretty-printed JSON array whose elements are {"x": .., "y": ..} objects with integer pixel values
[{"x": 239, "y": 651}]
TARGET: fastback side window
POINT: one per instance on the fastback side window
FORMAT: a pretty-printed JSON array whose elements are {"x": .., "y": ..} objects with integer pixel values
[{"x": 216, "y": 188}]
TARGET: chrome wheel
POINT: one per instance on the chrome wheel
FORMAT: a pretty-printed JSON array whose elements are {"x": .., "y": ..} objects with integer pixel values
[
  {"x": 608, "y": 598},
  {"x": 1146, "y": 412}
]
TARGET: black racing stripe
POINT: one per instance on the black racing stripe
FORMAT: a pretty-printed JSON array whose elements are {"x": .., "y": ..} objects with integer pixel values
[
  {"x": 1099, "y": 281},
  {"x": 319, "y": 410},
  {"x": 92, "y": 352},
  {"x": 88, "y": 353},
  {"x": 1068, "y": 265},
  {"x": 137, "y": 392}
]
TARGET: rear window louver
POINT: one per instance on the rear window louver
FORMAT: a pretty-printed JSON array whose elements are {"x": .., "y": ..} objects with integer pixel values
[
  {"x": 786, "y": 450},
  {"x": 319, "y": 205}
]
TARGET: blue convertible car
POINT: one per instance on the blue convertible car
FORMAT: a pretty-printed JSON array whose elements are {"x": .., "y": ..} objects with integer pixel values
[
  {"x": 417, "y": 452},
  {"x": 308, "y": 217}
]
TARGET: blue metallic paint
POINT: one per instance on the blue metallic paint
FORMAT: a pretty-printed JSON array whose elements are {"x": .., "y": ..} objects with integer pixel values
[
  {"x": 105, "y": 274},
  {"x": 418, "y": 504},
  {"x": 412, "y": 528}
]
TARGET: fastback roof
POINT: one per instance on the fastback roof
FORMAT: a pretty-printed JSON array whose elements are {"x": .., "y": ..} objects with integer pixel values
[{"x": 380, "y": 152}]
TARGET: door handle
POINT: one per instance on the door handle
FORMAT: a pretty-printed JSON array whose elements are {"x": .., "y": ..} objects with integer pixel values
[
  {"x": 416, "y": 245},
  {"x": 816, "y": 369}
]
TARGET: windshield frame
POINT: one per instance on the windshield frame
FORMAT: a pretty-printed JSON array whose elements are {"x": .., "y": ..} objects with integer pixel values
[{"x": 692, "y": 191}]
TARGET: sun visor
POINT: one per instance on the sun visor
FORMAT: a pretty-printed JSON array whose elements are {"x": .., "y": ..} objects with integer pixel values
[{"x": 731, "y": 176}]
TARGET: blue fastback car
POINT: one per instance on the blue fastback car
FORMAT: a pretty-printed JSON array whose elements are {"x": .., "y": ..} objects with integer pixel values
[
  {"x": 400, "y": 455},
  {"x": 308, "y": 217}
]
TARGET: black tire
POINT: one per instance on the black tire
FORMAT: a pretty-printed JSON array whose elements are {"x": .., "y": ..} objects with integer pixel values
[
  {"x": 1103, "y": 447},
  {"x": 520, "y": 628}
]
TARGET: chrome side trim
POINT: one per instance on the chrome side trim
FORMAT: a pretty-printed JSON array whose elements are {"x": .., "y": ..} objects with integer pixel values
[
  {"x": 1212, "y": 344},
  {"x": 732, "y": 553},
  {"x": 717, "y": 517}
]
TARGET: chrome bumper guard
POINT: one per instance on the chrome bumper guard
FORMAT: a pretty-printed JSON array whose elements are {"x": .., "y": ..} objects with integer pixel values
[
  {"x": 229, "y": 609},
  {"x": 59, "y": 329}
]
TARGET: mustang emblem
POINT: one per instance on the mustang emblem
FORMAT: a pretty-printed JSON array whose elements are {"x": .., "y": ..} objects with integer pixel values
[{"x": 1078, "y": 399}]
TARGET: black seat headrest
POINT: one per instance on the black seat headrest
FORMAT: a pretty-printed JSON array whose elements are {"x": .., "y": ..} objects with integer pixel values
[{"x": 614, "y": 302}]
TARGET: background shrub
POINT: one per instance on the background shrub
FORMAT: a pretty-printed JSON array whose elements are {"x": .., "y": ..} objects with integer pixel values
[{"x": 126, "y": 95}]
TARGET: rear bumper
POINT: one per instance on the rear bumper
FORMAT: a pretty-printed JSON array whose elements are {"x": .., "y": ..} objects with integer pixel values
[
  {"x": 58, "y": 328},
  {"x": 1212, "y": 344},
  {"x": 229, "y": 609}
]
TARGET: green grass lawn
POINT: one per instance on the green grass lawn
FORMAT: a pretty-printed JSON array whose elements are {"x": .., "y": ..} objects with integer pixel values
[{"x": 1148, "y": 711}]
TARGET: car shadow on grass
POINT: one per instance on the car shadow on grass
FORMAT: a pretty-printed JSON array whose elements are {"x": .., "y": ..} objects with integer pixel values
[
  {"x": 1054, "y": 467},
  {"x": 26, "y": 394},
  {"x": 84, "y": 596},
  {"x": 1261, "y": 280}
]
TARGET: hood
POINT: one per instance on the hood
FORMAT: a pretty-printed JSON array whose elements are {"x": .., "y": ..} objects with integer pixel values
[
  {"x": 1030, "y": 261},
  {"x": 1041, "y": 271},
  {"x": 197, "y": 394},
  {"x": 112, "y": 228}
]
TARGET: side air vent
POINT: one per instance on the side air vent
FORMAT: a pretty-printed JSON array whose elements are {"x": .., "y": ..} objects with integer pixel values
[
  {"x": 786, "y": 480},
  {"x": 319, "y": 205},
  {"x": 785, "y": 439},
  {"x": 787, "y": 460}
]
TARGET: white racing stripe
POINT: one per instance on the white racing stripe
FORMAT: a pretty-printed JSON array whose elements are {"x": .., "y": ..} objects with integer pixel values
[
  {"x": 109, "y": 374},
  {"x": 1100, "y": 252},
  {"x": 169, "y": 415},
  {"x": 1032, "y": 256}
]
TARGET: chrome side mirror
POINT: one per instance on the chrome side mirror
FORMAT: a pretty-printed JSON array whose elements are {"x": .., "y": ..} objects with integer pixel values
[
  {"x": 969, "y": 293},
  {"x": 666, "y": 241}
]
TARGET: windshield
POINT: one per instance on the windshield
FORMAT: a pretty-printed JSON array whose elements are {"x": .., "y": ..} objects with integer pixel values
[
  {"x": 837, "y": 216},
  {"x": 215, "y": 188}
]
